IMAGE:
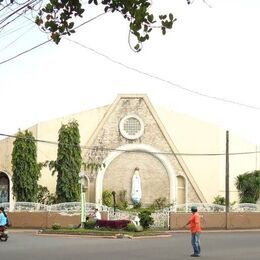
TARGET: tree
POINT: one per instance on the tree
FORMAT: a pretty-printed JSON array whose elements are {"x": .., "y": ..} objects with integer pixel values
[
  {"x": 26, "y": 170},
  {"x": 57, "y": 17},
  {"x": 68, "y": 163},
  {"x": 248, "y": 185},
  {"x": 44, "y": 196}
]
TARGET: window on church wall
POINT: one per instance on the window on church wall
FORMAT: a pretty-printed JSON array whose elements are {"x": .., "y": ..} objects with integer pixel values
[
  {"x": 131, "y": 127},
  {"x": 181, "y": 190},
  {"x": 4, "y": 188}
]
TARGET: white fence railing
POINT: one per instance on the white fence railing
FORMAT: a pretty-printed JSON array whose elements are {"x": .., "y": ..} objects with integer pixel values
[
  {"x": 160, "y": 217},
  {"x": 202, "y": 207},
  {"x": 121, "y": 214},
  {"x": 246, "y": 207},
  {"x": 68, "y": 207},
  {"x": 72, "y": 207},
  {"x": 207, "y": 207}
]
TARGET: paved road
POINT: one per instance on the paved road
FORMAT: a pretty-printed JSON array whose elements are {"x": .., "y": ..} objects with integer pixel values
[{"x": 224, "y": 246}]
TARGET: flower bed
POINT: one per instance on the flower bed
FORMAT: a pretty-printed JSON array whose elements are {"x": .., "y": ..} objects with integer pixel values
[{"x": 114, "y": 224}]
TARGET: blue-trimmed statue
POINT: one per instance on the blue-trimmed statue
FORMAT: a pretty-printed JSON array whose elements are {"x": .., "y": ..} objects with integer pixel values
[{"x": 136, "y": 194}]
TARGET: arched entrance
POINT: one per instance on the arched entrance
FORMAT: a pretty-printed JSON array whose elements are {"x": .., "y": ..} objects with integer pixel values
[
  {"x": 143, "y": 148},
  {"x": 4, "y": 188}
]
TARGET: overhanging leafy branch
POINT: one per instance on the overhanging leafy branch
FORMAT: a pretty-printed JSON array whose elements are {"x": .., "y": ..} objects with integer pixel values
[{"x": 57, "y": 17}]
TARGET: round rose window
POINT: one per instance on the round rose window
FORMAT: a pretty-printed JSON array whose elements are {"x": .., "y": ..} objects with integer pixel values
[{"x": 131, "y": 127}]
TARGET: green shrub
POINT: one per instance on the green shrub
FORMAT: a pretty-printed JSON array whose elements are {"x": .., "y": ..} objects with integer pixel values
[
  {"x": 146, "y": 219},
  {"x": 72, "y": 226},
  {"x": 90, "y": 224},
  {"x": 139, "y": 229},
  {"x": 105, "y": 229},
  {"x": 219, "y": 200},
  {"x": 159, "y": 203},
  {"x": 44, "y": 196},
  {"x": 137, "y": 205},
  {"x": 56, "y": 226},
  {"x": 248, "y": 185},
  {"x": 122, "y": 205},
  {"x": 107, "y": 198},
  {"x": 131, "y": 227},
  {"x": 121, "y": 200}
]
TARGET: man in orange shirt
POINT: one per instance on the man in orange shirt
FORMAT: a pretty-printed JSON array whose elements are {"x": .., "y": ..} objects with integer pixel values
[{"x": 195, "y": 229}]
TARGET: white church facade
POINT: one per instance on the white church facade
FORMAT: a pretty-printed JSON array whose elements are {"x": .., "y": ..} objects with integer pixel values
[{"x": 147, "y": 151}]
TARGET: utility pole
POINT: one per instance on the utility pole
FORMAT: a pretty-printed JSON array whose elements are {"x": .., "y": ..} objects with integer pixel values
[
  {"x": 227, "y": 178},
  {"x": 82, "y": 199}
]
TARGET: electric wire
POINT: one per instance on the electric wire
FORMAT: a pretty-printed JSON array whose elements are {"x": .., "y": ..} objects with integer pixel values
[
  {"x": 16, "y": 39},
  {"x": 11, "y": 31},
  {"x": 168, "y": 82},
  {"x": 18, "y": 16},
  {"x": 5, "y": 6},
  {"x": 28, "y": 50},
  {"x": 162, "y": 79},
  {"x": 13, "y": 12},
  {"x": 127, "y": 151},
  {"x": 40, "y": 44}
]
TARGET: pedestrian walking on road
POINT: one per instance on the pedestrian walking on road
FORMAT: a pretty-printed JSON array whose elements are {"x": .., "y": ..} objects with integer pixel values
[{"x": 195, "y": 229}]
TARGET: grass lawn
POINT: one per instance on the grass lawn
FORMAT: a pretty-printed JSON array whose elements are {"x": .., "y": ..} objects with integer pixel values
[{"x": 105, "y": 232}]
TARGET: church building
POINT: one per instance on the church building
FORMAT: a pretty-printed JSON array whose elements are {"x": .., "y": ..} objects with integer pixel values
[{"x": 149, "y": 152}]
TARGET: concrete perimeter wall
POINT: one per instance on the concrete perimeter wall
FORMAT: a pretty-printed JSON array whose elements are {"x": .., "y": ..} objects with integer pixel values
[
  {"x": 177, "y": 220},
  {"x": 234, "y": 220},
  {"x": 45, "y": 219}
]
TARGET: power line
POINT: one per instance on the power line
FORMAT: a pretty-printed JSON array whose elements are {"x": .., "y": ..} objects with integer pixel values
[
  {"x": 127, "y": 151},
  {"x": 15, "y": 40},
  {"x": 7, "y": 33},
  {"x": 164, "y": 80},
  {"x": 138, "y": 71},
  {"x": 21, "y": 53},
  {"x": 26, "y": 6},
  {"x": 36, "y": 46}
]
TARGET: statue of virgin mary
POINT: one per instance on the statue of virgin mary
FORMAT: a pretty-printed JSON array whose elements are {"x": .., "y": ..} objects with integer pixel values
[{"x": 136, "y": 187}]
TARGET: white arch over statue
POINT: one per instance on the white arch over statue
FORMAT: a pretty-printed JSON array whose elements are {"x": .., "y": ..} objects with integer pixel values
[{"x": 137, "y": 147}]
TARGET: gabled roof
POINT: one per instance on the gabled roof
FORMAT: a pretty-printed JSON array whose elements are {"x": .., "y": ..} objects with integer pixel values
[{"x": 153, "y": 112}]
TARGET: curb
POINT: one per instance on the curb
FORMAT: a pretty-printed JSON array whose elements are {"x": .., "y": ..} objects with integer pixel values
[
  {"x": 167, "y": 234},
  {"x": 23, "y": 230},
  {"x": 72, "y": 236},
  {"x": 218, "y": 231},
  {"x": 148, "y": 237},
  {"x": 117, "y": 236}
]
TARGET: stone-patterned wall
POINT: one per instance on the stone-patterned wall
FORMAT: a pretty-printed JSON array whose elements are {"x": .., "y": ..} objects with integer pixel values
[
  {"x": 154, "y": 178},
  {"x": 110, "y": 137}
]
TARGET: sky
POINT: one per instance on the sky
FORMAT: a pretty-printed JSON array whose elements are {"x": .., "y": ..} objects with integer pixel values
[{"x": 207, "y": 66}]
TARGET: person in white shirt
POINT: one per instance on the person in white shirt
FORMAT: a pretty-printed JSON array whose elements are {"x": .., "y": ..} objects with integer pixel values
[{"x": 97, "y": 215}]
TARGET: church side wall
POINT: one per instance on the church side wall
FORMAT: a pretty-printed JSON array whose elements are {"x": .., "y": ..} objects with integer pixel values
[{"x": 193, "y": 136}]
